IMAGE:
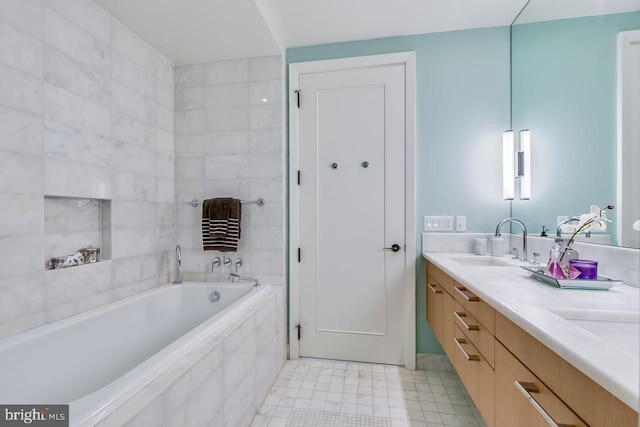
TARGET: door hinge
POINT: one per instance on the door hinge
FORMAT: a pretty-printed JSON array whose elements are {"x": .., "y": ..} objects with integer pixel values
[
  {"x": 299, "y": 328},
  {"x": 298, "y": 177},
  {"x": 298, "y": 96},
  {"x": 299, "y": 255}
]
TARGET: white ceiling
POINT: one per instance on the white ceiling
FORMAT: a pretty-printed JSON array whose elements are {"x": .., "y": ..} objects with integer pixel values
[{"x": 194, "y": 31}]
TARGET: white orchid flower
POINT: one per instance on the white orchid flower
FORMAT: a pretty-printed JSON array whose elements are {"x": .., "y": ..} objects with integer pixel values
[{"x": 596, "y": 220}]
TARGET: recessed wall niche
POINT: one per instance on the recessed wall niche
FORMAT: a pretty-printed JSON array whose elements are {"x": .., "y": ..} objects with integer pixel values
[{"x": 72, "y": 224}]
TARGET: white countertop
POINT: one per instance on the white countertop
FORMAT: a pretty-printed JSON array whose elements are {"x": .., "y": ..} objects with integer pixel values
[{"x": 524, "y": 301}]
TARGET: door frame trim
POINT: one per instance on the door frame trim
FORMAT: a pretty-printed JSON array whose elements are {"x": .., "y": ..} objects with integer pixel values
[{"x": 295, "y": 70}]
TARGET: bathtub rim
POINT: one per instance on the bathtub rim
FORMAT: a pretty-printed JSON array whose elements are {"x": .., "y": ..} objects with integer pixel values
[{"x": 19, "y": 337}]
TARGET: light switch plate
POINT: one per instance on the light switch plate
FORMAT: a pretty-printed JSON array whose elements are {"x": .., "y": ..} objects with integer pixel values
[
  {"x": 461, "y": 223},
  {"x": 438, "y": 223}
]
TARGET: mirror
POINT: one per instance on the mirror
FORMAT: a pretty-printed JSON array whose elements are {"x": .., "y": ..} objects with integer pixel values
[{"x": 564, "y": 89}]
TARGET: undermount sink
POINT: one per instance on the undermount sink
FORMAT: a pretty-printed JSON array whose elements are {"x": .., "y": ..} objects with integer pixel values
[
  {"x": 482, "y": 261},
  {"x": 620, "y": 328}
]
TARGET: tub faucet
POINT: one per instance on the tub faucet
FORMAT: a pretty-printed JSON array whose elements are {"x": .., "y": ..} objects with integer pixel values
[
  {"x": 235, "y": 278},
  {"x": 178, "y": 264},
  {"x": 566, "y": 221},
  {"x": 524, "y": 234}
]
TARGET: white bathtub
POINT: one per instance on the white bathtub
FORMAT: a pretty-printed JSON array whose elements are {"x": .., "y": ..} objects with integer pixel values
[{"x": 99, "y": 359}]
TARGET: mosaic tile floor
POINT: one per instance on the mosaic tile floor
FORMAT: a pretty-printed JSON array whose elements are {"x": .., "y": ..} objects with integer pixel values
[{"x": 324, "y": 393}]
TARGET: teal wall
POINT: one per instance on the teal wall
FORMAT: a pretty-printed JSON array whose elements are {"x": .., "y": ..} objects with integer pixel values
[
  {"x": 564, "y": 90},
  {"x": 462, "y": 99}
]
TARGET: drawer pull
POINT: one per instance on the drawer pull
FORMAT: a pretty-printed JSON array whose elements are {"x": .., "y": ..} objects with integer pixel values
[
  {"x": 470, "y": 357},
  {"x": 459, "y": 315},
  {"x": 526, "y": 389},
  {"x": 462, "y": 291},
  {"x": 433, "y": 289}
]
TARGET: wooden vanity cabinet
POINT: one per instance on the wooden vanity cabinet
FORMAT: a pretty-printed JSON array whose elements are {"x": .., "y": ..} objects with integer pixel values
[
  {"x": 476, "y": 374},
  {"x": 440, "y": 308},
  {"x": 523, "y": 399},
  {"x": 490, "y": 354},
  {"x": 453, "y": 313},
  {"x": 581, "y": 395}
]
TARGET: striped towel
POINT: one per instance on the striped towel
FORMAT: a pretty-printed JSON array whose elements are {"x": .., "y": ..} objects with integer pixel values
[{"x": 221, "y": 224}]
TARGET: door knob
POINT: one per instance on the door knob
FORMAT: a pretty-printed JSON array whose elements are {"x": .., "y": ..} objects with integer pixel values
[{"x": 395, "y": 248}]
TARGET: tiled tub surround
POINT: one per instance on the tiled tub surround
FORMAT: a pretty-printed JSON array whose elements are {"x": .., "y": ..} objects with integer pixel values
[
  {"x": 229, "y": 143},
  {"x": 201, "y": 353},
  {"x": 86, "y": 110},
  {"x": 526, "y": 302}
]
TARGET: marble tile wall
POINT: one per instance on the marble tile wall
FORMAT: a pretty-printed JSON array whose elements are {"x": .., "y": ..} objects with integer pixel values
[
  {"x": 223, "y": 382},
  {"x": 86, "y": 110},
  {"x": 230, "y": 143}
]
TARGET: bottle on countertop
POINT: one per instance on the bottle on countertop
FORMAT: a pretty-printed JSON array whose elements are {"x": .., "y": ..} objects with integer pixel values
[{"x": 497, "y": 246}]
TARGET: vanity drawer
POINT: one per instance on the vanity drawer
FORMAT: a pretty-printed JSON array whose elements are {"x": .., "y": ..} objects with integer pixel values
[
  {"x": 475, "y": 306},
  {"x": 525, "y": 400},
  {"x": 476, "y": 332},
  {"x": 476, "y": 374},
  {"x": 441, "y": 277},
  {"x": 584, "y": 396}
]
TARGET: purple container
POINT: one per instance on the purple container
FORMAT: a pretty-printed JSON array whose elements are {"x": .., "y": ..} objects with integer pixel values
[{"x": 588, "y": 269}]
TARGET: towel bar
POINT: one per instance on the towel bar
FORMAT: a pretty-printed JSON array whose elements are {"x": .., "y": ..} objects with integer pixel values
[{"x": 259, "y": 202}]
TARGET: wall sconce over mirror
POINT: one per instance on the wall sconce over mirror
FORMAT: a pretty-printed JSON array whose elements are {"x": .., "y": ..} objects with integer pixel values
[{"x": 516, "y": 164}]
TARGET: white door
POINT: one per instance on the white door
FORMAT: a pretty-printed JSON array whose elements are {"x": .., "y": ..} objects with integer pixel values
[{"x": 351, "y": 207}]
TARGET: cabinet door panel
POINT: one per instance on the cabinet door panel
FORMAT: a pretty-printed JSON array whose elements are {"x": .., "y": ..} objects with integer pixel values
[
  {"x": 441, "y": 277},
  {"x": 476, "y": 374},
  {"x": 475, "y": 306},
  {"x": 477, "y": 333},
  {"x": 440, "y": 315},
  {"x": 523, "y": 399}
]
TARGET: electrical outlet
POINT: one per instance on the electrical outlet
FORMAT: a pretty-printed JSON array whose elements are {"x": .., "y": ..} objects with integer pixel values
[
  {"x": 461, "y": 223},
  {"x": 438, "y": 223}
]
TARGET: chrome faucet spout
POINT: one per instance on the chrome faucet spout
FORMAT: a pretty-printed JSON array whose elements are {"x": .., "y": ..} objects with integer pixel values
[
  {"x": 178, "y": 264},
  {"x": 524, "y": 234},
  {"x": 235, "y": 278},
  {"x": 566, "y": 221}
]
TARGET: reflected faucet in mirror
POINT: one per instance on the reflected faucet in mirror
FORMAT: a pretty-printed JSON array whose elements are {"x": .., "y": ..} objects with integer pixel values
[{"x": 566, "y": 221}]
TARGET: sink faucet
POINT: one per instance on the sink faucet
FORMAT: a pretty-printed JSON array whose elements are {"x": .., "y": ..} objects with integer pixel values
[
  {"x": 235, "y": 278},
  {"x": 566, "y": 221},
  {"x": 178, "y": 264},
  {"x": 524, "y": 234}
]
